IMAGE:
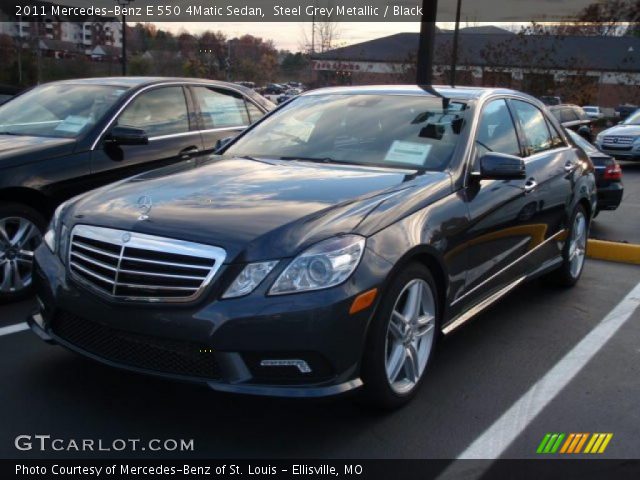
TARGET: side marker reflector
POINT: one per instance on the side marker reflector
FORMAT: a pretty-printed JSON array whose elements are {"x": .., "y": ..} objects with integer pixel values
[{"x": 363, "y": 301}]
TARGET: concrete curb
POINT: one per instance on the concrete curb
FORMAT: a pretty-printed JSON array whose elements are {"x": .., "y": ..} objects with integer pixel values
[{"x": 614, "y": 251}]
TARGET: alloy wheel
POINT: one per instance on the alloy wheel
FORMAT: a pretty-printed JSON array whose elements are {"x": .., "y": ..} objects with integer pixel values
[
  {"x": 19, "y": 238},
  {"x": 577, "y": 244},
  {"x": 410, "y": 335}
]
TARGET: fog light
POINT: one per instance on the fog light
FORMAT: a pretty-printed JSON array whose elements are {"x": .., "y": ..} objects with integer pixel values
[{"x": 301, "y": 365}]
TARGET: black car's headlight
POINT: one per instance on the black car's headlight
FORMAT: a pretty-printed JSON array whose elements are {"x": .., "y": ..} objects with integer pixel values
[
  {"x": 324, "y": 265},
  {"x": 56, "y": 237},
  {"x": 249, "y": 278}
]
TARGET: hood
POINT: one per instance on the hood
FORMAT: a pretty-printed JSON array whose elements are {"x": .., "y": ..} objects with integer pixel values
[
  {"x": 254, "y": 209},
  {"x": 20, "y": 149},
  {"x": 623, "y": 130}
]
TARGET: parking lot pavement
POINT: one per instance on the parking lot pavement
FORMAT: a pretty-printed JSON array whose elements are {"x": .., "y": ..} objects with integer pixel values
[
  {"x": 623, "y": 224},
  {"x": 478, "y": 374}
]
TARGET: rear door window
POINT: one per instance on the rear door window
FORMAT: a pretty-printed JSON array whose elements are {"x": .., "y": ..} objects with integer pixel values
[{"x": 221, "y": 108}]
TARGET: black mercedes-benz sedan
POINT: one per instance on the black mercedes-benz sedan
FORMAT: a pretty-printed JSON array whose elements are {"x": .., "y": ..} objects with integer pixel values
[
  {"x": 328, "y": 246},
  {"x": 64, "y": 138}
]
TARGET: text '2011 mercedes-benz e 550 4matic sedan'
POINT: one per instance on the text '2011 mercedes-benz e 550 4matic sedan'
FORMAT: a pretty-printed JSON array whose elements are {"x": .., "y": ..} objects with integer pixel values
[{"x": 326, "y": 248}]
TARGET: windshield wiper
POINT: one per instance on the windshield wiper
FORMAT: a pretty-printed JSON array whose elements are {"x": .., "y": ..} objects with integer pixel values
[{"x": 11, "y": 133}]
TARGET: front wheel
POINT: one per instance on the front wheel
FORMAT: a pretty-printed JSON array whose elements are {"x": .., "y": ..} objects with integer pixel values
[
  {"x": 401, "y": 339},
  {"x": 21, "y": 230},
  {"x": 574, "y": 251}
]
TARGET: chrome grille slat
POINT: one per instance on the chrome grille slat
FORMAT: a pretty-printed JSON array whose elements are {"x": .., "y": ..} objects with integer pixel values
[
  {"x": 93, "y": 274},
  {"x": 155, "y": 287},
  {"x": 113, "y": 262},
  {"x": 95, "y": 262},
  {"x": 95, "y": 250},
  {"x": 164, "y": 275},
  {"x": 168, "y": 264}
]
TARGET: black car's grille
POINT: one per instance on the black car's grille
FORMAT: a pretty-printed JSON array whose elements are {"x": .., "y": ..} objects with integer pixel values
[
  {"x": 133, "y": 266},
  {"x": 134, "y": 350}
]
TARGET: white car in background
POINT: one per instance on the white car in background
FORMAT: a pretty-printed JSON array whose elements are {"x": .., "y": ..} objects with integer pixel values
[{"x": 593, "y": 112}]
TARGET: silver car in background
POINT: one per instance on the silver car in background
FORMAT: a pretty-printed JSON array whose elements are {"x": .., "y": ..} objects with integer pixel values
[{"x": 623, "y": 140}]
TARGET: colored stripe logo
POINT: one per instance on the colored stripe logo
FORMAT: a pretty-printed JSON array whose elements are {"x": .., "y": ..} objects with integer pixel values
[{"x": 573, "y": 443}]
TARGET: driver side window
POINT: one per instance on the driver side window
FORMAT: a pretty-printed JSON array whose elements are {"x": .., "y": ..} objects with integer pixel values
[{"x": 496, "y": 131}]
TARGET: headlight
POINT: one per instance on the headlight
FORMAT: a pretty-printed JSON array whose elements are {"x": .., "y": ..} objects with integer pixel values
[
  {"x": 326, "y": 264},
  {"x": 599, "y": 137},
  {"x": 50, "y": 237},
  {"x": 250, "y": 277}
]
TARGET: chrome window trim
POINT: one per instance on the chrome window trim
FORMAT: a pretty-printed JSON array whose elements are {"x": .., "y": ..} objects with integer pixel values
[
  {"x": 149, "y": 243},
  {"x": 115, "y": 116},
  {"x": 196, "y": 132}
]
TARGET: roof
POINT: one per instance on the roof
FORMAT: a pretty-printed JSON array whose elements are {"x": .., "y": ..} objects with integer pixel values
[
  {"x": 136, "y": 82},
  {"x": 58, "y": 45},
  {"x": 604, "y": 53},
  {"x": 461, "y": 93}
]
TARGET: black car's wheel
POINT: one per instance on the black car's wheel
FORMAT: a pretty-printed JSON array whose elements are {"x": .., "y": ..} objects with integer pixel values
[
  {"x": 21, "y": 230},
  {"x": 574, "y": 251},
  {"x": 401, "y": 339}
]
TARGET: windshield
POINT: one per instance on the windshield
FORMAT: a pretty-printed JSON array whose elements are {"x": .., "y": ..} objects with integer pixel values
[
  {"x": 64, "y": 111},
  {"x": 634, "y": 119},
  {"x": 590, "y": 109},
  {"x": 380, "y": 130}
]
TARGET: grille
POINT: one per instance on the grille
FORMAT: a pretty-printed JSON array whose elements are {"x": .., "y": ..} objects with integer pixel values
[
  {"x": 619, "y": 140},
  {"x": 135, "y": 350},
  {"x": 134, "y": 266}
]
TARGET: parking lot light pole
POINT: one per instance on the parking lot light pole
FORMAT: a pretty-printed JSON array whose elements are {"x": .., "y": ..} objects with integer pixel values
[
  {"x": 124, "y": 3},
  {"x": 454, "y": 53},
  {"x": 424, "y": 74}
]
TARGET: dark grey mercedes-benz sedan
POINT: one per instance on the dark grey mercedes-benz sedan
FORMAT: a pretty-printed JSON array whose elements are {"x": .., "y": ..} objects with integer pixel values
[{"x": 326, "y": 248}]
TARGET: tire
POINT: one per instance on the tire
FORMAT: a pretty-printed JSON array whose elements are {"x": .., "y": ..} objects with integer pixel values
[
  {"x": 573, "y": 254},
  {"x": 21, "y": 231},
  {"x": 389, "y": 383}
]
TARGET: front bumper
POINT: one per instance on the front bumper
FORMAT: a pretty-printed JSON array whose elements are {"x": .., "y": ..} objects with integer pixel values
[
  {"x": 221, "y": 344},
  {"x": 620, "y": 153}
]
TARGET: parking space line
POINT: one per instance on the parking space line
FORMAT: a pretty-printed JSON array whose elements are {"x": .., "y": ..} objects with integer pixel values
[
  {"x": 18, "y": 327},
  {"x": 499, "y": 436}
]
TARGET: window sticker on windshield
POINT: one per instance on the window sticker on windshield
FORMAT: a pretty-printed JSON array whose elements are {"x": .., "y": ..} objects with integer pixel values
[
  {"x": 408, "y": 152},
  {"x": 72, "y": 124}
]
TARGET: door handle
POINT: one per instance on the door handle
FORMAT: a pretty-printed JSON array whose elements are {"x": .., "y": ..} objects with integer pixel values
[
  {"x": 188, "y": 152},
  {"x": 570, "y": 166},
  {"x": 530, "y": 186}
]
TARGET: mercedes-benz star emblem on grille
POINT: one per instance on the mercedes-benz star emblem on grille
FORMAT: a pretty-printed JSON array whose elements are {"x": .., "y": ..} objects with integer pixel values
[
  {"x": 126, "y": 237},
  {"x": 615, "y": 140},
  {"x": 144, "y": 207}
]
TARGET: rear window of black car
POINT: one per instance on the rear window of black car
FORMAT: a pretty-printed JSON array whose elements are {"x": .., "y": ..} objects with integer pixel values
[{"x": 382, "y": 130}]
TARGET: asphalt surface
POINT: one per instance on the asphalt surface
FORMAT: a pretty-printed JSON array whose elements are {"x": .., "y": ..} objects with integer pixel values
[
  {"x": 478, "y": 374},
  {"x": 623, "y": 224}
]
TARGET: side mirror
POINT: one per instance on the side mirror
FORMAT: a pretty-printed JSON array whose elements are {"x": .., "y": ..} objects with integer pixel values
[
  {"x": 128, "y": 136},
  {"x": 500, "y": 166},
  {"x": 223, "y": 142}
]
